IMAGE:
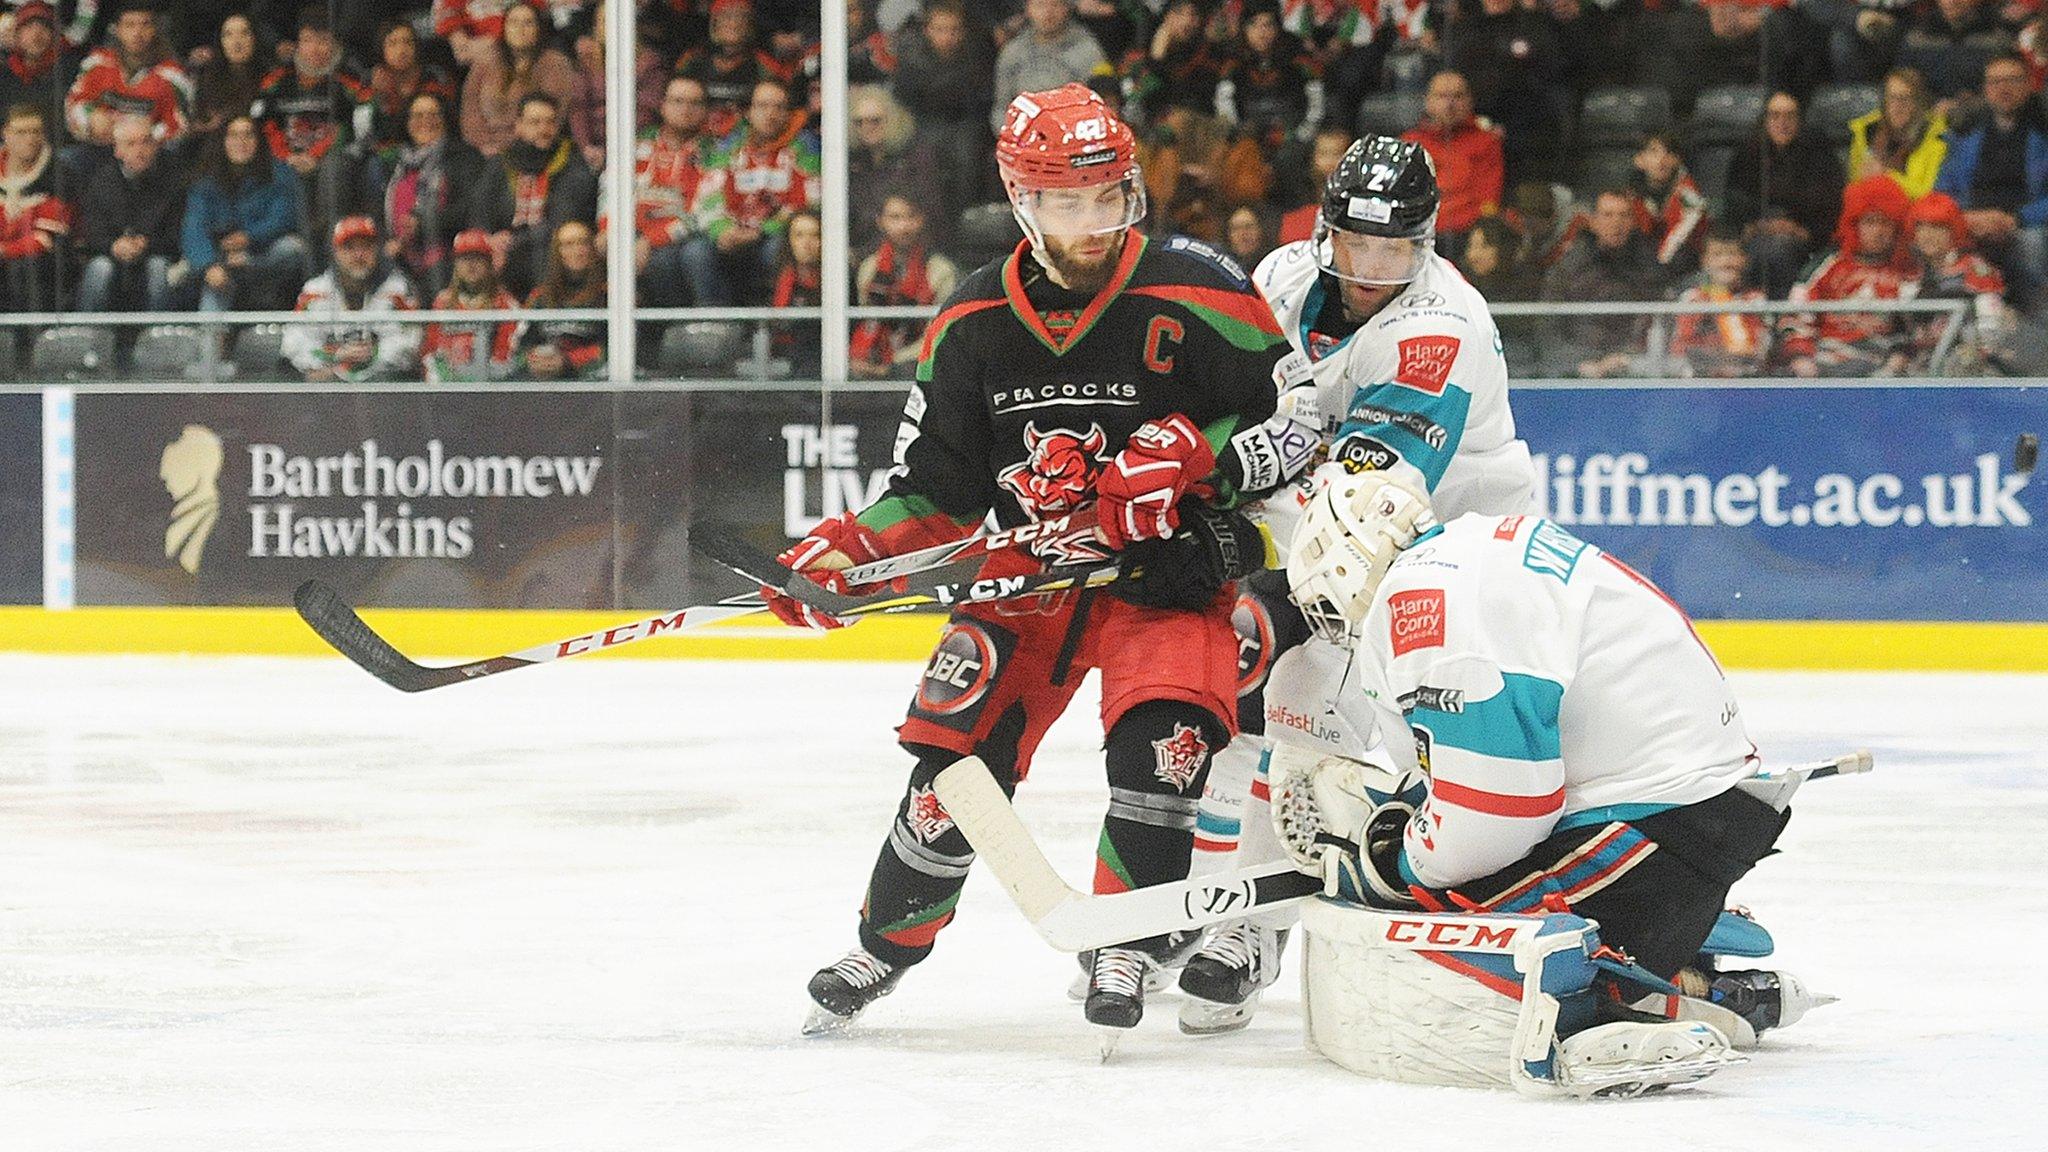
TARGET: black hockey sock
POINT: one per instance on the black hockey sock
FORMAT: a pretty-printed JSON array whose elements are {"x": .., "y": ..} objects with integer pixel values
[
  {"x": 919, "y": 874},
  {"x": 1158, "y": 758}
]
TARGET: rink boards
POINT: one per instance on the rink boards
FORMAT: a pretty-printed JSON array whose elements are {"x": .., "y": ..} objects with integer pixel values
[{"x": 1880, "y": 525}]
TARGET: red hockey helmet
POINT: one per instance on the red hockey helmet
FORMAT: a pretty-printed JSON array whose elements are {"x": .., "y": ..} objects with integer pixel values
[{"x": 1057, "y": 147}]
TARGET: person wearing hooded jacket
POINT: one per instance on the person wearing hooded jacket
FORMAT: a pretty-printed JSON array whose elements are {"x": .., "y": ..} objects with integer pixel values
[{"x": 1872, "y": 261}]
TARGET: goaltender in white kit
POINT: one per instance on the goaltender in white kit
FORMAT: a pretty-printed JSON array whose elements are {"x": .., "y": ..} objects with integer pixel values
[{"x": 1527, "y": 736}]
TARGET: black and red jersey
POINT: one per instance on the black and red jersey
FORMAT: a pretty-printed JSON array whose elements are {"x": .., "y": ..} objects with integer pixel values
[{"x": 1026, "y": 390}]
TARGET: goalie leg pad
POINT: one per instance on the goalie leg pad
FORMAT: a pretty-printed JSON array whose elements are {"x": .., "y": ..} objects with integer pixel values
[{"x": 1479, "y": 1001}]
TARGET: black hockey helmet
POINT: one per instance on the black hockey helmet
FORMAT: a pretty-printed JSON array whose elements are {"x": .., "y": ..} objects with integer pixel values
[{"x": 1384, "y": 187}]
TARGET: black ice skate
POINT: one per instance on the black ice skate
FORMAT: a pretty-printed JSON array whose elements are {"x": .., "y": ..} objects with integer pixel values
[
  {"x": 843, "y": 990},
  {"x": 1224, "y": 979},
  {"x": 1764, "y": 998},
  {"x": 1158, "y": 969},
  {"x": 1116, "y": 992}
]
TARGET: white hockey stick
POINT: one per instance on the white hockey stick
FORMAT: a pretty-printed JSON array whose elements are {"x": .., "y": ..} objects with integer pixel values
[{"x": 1074, "y": 921}]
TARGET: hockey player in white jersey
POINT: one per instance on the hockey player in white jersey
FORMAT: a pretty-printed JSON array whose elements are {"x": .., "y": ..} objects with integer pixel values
[
  {"x": 1552, "y": 737},
  {"x": 1408, "y": 378}
]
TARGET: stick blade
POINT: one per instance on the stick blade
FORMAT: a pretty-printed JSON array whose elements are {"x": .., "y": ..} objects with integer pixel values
[
  {"x": 333, "y": 620},
  {"x": 970, "y": 795}
]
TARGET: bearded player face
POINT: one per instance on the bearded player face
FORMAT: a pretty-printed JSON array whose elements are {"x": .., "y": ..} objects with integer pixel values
[{"x": 1082, "y": 231}]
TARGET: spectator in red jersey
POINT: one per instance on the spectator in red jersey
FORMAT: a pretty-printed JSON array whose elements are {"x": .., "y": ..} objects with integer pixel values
[
  {"x": 308, "y": 110},
  {"x": 38, "y": 69},
  {"x": 241, "y": 230},
  {"x": 731, "y": 65},
  {"x": 1872, "y": 262},
  {"x": 1950, "y": 271},
  {"x": 134, "y": 73},
  {"x": 587, "y": 104},
  {"x": 668, "y": 163},
  {"x": 484, "y": 351},
  {"x": 1471, "y": 168},
  {"x": 901, "y": 271},
  {"x": 398, "y": 79},
  {"x": 1670, "y": 209},
  {"x": 767, "y": 173},
  {"x": 800, "y": 283},
  {"x": 516, "y": 66},
  {"x": 34, "y": 220},
  {"x": 470, "y": 27},
  {"x": 1721, "y": 344},
  {"x": 429, "y": 191},
  {"x": 538, "y": 185},
  {"x": 1324, "y": 156},
  {"x": 231, "y": 81},
  {"x": 567, "y": 349},
  {"x": 128, "y": 224}
]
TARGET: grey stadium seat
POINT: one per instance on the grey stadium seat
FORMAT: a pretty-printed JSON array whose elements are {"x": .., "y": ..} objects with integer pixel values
[
  {"x": 259, "y": 353},
  {"x": 1834, "y": 105},
  {"x": 169, "y": 352},
  {"x": 74, "y": 353},
  {"x": 1728, "y": 114},
  {"x": 1710, "y": 171},
  {"x": 702, "y": 348},
  {"x": 985, "y": 232},
  {"x": 1388, "y": 113},
  {"x": 1618, "y": 117},
  {"x": 1601, "y": 169}
]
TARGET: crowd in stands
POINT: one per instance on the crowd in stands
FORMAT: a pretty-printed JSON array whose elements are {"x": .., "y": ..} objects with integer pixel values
[{"x": 388, "y": 155}]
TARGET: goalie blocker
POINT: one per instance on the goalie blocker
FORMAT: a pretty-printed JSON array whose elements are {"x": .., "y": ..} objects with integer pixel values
[{"x": 1486, "y": 1001}]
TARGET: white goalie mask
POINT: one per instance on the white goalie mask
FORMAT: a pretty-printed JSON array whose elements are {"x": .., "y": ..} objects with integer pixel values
[{"x": 1353, "y": 527}]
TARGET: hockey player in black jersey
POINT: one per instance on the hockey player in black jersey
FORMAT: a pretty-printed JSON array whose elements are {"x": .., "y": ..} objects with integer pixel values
[{"x": 1091, "y": 365}]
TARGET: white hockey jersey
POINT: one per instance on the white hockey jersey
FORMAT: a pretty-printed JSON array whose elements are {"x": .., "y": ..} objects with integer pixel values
[
  {"x": 1420, "y": 389},
  {"x": 1547, "y": 686},
  {"x": 396, "y": 345}
]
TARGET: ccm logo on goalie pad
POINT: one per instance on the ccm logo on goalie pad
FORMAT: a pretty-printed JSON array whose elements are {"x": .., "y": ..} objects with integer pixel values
[
  {"x": 1416, "y": 620},
  {"x": 1453, "y": 934},
  {"x": 958, "y": 674},
  {"x": 1426, "y": 363}
]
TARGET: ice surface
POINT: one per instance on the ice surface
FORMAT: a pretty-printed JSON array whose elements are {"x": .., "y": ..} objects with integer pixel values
[{"x": 272, "y": 904}]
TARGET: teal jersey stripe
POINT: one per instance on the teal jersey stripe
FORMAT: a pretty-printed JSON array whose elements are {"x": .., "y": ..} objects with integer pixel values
[
  {"x": 1517, "y": 723},
  {"x": 1626, "y": 813},
  {"x": 1424, "y": 429}
]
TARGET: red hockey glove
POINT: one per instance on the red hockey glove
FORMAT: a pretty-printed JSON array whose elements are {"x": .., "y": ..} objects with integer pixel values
[
  {"x": 1163, "y": 461},
  {"x": 840, "y": 542}
]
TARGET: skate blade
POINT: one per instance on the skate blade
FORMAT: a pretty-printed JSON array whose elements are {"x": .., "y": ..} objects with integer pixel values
[
  {"x": 1621, "y": 1083},
  {"x": 1107, "y": 1039},
  {"x": 821, "y": 1022},
  {"x": 1208, "y": 1018}
]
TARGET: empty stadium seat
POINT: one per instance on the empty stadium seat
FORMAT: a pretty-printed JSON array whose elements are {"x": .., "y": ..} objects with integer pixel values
[
  {"x": 698, "y": 348},
  {"x": 1834, "y": 105},
  {"x": 1618, "y": 117},
  {"x": 985, "y": 232},
  {"x": 1727, "y": 115},
  {"x": 259, "y": 353},
  {"x": 74, "y": 353},
  {"x": 1601, "y": 169},
  {"x": 1389, "y": 113},
  {"x": 170, "y": 352},
  {"x": 1710, "y": 171}
]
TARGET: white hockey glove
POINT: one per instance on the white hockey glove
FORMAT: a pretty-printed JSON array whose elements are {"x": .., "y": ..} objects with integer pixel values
[
  {"x": 1331, "y": 812},
  {"x": 1354, "y": 526}
]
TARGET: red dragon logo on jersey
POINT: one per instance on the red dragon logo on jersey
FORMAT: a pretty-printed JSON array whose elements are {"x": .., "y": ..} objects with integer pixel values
[{"x": 1058, "y": 475}]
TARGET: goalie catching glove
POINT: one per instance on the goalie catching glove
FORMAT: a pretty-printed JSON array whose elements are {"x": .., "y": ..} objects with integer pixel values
[
  {"x": 1353, "y": 527},
  {"x": 1342, "y": 819},
  {"x": 1141, "y": 490},
  {"x": 1187, "y": 570},
  {"x": 838, "y": 543}
]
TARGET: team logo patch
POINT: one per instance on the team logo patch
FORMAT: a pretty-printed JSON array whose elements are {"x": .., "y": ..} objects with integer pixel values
[
  {"x": 1059, "y": 469},
  {"x": 1180, "y": 756},
  {"x": 1508, "y": 526},
  {"x": 1254, "y": 630},
  {"x": 959, "y": 672},
  {"x": 1426, "y": 362},
  {"x": 1366, "y": 454},
  {"x": 1416, "y": 619},
  {"x": 926, "y": 819}
]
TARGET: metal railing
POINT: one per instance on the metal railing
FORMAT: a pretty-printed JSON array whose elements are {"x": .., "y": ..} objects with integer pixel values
[{"x": 757, "y": 369}]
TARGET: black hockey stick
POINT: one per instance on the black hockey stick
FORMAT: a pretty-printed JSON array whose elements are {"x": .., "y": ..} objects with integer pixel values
[
  {"x": 957, "y": 582},
  {"x": 336, "y": 621}
]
